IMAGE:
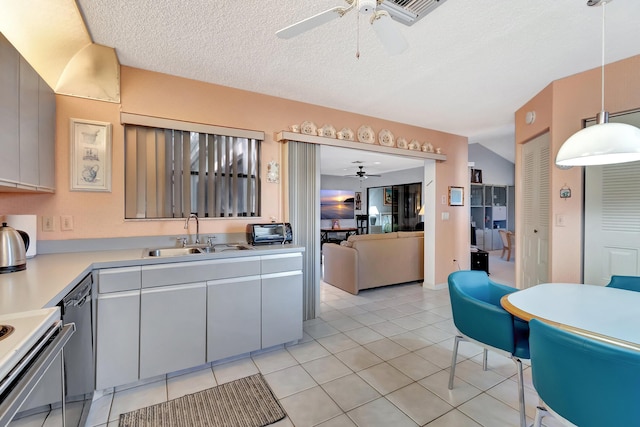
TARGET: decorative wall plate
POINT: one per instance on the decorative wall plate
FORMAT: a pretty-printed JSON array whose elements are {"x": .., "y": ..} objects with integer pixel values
[
  {"x": 366, "y": 134},
  {"x": 402, "y": 143},
  {"x": 308, "y": 128},
  {"x": 414, "y": 145},
  {"x": 427, "y": 147},
  {"x": 385, "y": 137},
  {"x": 327, "y": 131},
  {"x": 347, "y": 134}
]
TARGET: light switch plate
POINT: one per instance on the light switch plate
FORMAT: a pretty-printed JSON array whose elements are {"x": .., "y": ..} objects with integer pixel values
[
  {"x": 47, "y": 224},
  {"x": 66, "y": 222}
]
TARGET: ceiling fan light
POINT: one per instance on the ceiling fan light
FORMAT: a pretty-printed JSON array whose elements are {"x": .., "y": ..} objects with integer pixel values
[
  {"x": 601, "y": 144},
  {"x": 367, "y": 7},
  {"x": 388, "y": 33}
]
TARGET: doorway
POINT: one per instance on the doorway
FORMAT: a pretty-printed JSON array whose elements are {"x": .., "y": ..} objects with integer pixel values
[{"x": 534, "y": 239}]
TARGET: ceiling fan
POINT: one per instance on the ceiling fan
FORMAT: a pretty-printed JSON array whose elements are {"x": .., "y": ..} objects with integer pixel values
[
  {"x": 361, "y": 174},
  {"x": 386, "y": 30}
]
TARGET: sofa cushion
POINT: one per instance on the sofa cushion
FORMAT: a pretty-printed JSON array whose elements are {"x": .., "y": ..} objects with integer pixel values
[
  {"x": 346, "y": 243},
  {"x": 405, "y": 234},
  {"x": 362, "y": 237}
]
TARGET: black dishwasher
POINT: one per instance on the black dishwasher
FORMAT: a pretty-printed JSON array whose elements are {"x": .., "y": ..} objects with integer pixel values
[{"x": 79, "y": 367}]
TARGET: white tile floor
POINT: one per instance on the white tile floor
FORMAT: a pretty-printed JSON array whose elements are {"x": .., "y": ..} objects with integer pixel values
[{"x": 380, "y": 358}]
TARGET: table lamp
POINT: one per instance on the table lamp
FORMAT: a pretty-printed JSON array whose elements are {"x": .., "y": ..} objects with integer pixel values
[{"x": 373, "y": 213}]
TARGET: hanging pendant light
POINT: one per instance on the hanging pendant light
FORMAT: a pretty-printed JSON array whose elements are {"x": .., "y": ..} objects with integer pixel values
[{"x": 602, "y": 143}]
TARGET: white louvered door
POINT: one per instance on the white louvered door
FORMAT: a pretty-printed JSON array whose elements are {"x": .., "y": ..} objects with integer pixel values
[
  {"x": 612, "y": 222},
  {"x": 534, "y": 242}
]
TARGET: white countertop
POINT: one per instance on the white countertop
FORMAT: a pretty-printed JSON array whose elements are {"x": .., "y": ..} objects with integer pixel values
[{"x": 48, "y": 278}]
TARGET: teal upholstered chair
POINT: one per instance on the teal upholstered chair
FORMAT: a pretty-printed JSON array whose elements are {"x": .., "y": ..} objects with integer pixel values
[
  {"x": 630, "y": 283},
  {"x": 583, "y": 380},
  {"x": 478, "y": 315}
]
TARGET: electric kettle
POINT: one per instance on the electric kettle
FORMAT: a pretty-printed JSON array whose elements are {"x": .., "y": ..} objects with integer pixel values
[{"x": 13, "y": 249}]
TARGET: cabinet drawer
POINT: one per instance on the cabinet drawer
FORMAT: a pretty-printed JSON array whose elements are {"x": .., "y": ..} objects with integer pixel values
[
  {"x": 282, "y": 262},
  {"x": 198, "y": 271},
  {"x": 118, "y": 279}
]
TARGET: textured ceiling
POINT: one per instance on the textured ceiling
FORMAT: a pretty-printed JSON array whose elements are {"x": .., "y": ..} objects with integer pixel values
[{"x": 469, "y": 67}]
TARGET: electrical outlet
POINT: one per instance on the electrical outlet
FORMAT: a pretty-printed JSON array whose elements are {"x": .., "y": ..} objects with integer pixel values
[
  {"x": 66, "y": 223},
  {"x": 47, "y": 223}
]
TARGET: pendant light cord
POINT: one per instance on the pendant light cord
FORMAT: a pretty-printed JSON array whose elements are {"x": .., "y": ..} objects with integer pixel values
[
  {"x": 604, "y": 5},
  {"x": 358, "y": 35}
]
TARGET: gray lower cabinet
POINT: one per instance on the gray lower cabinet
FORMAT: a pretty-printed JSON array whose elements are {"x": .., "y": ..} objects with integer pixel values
[
  {"x": 117, "y": 326},
  {"x": 117, "y": 338},
  {"x": 281, "y": 308},
  {"x": 281, "y": 298},
  {"x": 156, "y": 319},
  {"x": 233, "y": 317},
  {"x": 172, "y": 328}
]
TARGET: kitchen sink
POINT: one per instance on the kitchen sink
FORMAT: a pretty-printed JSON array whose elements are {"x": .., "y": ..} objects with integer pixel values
[
  {"x": 223, "y": 247},
  {"x": 171, "y": 252}
]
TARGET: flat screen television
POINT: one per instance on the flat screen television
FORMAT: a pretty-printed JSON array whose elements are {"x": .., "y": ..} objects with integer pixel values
[{"x": 337, "y": 204}]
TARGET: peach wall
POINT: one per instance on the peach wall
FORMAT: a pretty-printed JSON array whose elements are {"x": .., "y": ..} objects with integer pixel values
[
  {"x": 98, "y": 215},
  {"x": 574, "y": 99}
]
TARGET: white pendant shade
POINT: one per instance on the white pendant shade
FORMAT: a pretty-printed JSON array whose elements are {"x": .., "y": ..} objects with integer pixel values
[
  {"x": 388, "y": 33},
  {"x": 601, "y": 144}
]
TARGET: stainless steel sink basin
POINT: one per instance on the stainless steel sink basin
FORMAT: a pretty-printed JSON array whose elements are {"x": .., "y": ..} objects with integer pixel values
[
  {"x": 172, "y": 252},
  {"x": 223, "y": 247}
]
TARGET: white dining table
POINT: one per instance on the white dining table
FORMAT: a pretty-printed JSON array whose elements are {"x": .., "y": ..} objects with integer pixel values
[{"x": 604, "y": 313}]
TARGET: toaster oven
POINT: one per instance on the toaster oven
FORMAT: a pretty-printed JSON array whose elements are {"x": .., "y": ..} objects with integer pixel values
[{"x": 269, "y": 233}]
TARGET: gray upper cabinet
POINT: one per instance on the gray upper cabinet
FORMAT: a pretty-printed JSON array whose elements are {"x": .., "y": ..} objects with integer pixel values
[
  {"x": 46, "y": 136},
  {"x": 9, "y": 111},
  {"x": 28, "y": 130},
  {"x": 27, "y": 125}
]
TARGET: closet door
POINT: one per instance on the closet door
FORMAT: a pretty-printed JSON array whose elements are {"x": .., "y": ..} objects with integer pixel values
[
  {"x": 611, "y": 223},
  {"x": 534, "y": 255}
]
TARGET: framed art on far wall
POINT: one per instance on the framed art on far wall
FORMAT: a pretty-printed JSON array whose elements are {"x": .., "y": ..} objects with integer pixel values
[
  {"x": 456, "y": 196},
  {"x": 476, "y": 176},
  {"x": 388, "y": 196},
  {"x": 90, "y": 155}
]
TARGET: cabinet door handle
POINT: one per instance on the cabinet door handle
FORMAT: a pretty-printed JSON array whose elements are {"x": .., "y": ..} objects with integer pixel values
[{"x": 535, "y": 231}]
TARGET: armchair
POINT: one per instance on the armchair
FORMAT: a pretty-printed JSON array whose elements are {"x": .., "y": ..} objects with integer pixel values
[
  {"x": 478, "y": 315},
  {"x": 583, "y": 380},
  {"x": 630, "y": 283}
]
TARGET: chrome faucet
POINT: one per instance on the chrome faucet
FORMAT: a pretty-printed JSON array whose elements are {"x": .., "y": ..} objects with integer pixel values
[{"x": 186, "y": 226}]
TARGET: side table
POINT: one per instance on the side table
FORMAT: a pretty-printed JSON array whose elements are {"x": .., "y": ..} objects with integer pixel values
[{"x": 480, "y": 261}]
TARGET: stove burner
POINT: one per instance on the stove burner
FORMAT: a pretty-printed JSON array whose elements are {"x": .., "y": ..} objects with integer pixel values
[{"x": 5, "y": 331}]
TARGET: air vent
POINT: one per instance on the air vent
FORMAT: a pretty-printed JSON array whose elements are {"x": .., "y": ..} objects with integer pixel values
[{"x": 409, "y": 12}]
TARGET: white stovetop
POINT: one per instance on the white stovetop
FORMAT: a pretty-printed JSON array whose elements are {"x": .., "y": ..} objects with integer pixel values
[{"x": 29, "y": 326}]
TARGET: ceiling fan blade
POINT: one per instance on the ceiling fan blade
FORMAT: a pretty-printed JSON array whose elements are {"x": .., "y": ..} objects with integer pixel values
[
  {"x": 388, "y": 33},
  {"x": 311, "y": 23}
]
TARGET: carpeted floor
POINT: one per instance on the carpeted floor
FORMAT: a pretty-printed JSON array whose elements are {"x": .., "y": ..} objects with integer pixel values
[
  {"x": 247, "y": 402},
  {"x": 502, "y": 271}
]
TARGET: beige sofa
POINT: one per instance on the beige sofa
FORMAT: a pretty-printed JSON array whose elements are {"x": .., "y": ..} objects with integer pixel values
[{"x": 372, "y": 260}]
